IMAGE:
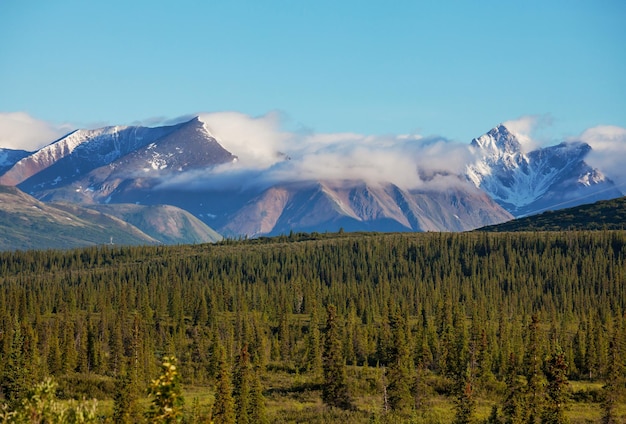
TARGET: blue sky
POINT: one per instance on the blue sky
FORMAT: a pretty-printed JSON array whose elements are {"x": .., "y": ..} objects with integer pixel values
[{"x": 451, "y": 68}]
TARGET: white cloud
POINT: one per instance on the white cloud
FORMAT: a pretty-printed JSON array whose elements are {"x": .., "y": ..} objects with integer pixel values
[
  {"x": 524, "y": 126},
  {"x": 269, "y": 155},
  {"x": 608, "y": 144},
  {"x": 20, "y": 131},
  {"x": 255, "y": 140}
]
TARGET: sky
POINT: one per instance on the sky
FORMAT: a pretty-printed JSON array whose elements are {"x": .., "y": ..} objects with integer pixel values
[{"x": 451, "y": 68}]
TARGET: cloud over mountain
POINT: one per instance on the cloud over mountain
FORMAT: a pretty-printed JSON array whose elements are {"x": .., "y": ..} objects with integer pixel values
[
  {"x": 524, "y": 126},
  {"x": 608, "y": 145},
  {"x": 20, "y": 131},
  {"x": 267, "y": 155}
]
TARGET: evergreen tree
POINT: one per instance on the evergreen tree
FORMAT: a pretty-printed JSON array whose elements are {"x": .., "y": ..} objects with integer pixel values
[
  {"x": 314, "y": 352},
  {"x": 534, "y": 375},
  {"x": 15, "y": 380},
  {"x": 465, "y": 402},
  {"x": 335, "y": 387},
  {"x": 213, "y": 356},
  {"x": 69, "y": 353},
  {"x": 242, "y": 386},
  {"x": 224, "y": 406},
  {"x": 258, "y": 414},
  {"x": 612, "y": 388},
  {"x": 556, "y": 396},
  {"x": 125, "y": 398},
  {"x": 398, "y": 370},
  {"x": 590, "y": 362},
  {"x": 513, "y": 408}
]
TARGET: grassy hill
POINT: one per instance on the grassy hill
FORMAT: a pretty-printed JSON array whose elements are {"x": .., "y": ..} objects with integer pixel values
[
  {"x": 168, "y": 224},
  {"x": 603, "y": 215},
  {"x": 26, "y": 223}
]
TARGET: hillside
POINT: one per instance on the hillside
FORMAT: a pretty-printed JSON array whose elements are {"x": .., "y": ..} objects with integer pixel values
[
  {"x": 168, "y": 224},
  {"x": 26, "y": 223},
  {"x": 602, "y": 215}
]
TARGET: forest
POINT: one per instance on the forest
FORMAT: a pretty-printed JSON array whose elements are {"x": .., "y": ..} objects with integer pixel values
[{"x": 347, "y": 327}]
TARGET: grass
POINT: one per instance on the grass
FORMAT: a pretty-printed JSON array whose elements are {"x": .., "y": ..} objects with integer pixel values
[{"x": 296, "y": 398}]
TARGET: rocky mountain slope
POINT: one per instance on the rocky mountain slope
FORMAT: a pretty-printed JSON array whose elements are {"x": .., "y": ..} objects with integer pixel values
[{"x": 357, "y": 206}]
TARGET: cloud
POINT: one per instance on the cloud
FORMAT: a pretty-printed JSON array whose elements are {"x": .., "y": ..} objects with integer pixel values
[
  {"x": 20, "y": 131},
  {"x": 608, "y": 144},
  {"x": 269, "y": 155},
  {"x": 257, "y": 141},
  {"x": 524, "y": 126}
]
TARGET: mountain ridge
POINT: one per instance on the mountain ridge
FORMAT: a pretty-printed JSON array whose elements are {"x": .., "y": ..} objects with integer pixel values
[{"x": 179, "y": 165}]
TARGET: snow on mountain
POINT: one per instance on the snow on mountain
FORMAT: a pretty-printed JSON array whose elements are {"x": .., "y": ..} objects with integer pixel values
[
  {"x": 191, "y": 146},
  {"x": 78, "y": 153},
  {"x": 131, "y": 175},
  {"x": 179, "y": 165},
  {"x": 549, "y": 177}
]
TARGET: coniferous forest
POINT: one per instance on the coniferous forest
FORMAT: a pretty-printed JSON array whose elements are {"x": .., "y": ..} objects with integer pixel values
[{"x": 420, "y": 328}]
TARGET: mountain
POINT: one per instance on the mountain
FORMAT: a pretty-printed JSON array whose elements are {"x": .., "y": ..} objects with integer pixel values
[
  {"x": 130, "y": 171},
  {"x": 26, "y": 223},
  {"x": 9, "y": 157},
  {"x": 163, "y": 181},
  {"x": 602, "y": 215},
  {"x": 79, "y": 152},
  {"x": 546, "y": 178},
  {"x": 128, "y": 165},
  {"x": 357, "y": 206}
]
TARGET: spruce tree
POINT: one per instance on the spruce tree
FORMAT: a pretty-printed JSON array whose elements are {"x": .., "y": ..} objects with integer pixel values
[
  {"x": 224, "y": 406},
  {"x": 314, "y": 352},
  {"x": 125, "y": 396},
  {"x": 465, "y": 402},
  {"x": 242, "y": 386},
  {"x": 335, "y": 387},
  {"x": 534, "y": 375},
  {"x": 258, "y": 414},
  {"x": 398, "y": 370},
  {"x": 556, "y": 396},
  {"x": 612, "y": 387},
  {"x": 15, "y": 380},
  {"x": 512, "y": 407}
]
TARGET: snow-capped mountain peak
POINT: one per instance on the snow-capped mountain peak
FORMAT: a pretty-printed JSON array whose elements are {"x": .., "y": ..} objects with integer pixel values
[
  {"x": 498, "y": 141},
  {"x": 79, "y": 153},
  {"x": 525, "y": 182}
]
